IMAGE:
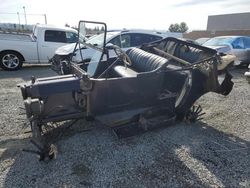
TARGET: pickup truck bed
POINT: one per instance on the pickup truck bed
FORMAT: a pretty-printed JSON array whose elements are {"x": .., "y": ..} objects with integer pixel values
[{"x": 18, "y": 37}]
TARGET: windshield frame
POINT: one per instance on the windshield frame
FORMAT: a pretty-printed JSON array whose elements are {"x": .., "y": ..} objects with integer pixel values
[
  {"x": 93, "y": 22},
  {"x": 83, "y": 42}
]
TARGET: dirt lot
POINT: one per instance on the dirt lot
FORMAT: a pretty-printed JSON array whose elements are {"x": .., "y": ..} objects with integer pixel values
[{"x": 214, "y": 152}]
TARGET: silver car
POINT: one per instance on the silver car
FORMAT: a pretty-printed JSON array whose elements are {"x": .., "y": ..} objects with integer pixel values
[{"x": 235, "y": 45}]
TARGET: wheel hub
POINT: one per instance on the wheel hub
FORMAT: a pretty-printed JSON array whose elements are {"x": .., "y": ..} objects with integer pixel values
[{"x": 10, "y": 61}]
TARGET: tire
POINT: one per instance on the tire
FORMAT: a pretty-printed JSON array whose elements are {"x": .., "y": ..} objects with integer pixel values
[{"x": 11, "y": 61}]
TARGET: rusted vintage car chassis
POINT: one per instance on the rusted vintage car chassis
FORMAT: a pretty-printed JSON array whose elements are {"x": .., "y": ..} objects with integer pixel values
[{"x": 157, "y": 88}]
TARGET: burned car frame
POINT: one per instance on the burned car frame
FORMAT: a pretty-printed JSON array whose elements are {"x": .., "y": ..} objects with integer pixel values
[{"x": 139, "y": 90}]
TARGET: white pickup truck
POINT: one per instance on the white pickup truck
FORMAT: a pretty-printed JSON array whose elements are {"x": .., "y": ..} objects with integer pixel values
[{"x": 39, "y": 47}]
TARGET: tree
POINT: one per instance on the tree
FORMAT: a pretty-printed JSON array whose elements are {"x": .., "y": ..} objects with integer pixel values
[
  {"x": 182, "y": 27},
  {"x": 174, "y": 27},
  {"x": 67, "y": 25}
]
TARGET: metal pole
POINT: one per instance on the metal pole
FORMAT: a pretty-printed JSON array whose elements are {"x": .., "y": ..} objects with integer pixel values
[
  {"x": 19, "y": 24},
  {"x": 25, "y": 15},
  {"x": 45, "y": 18},
  {"x": 18, "y": 20}
]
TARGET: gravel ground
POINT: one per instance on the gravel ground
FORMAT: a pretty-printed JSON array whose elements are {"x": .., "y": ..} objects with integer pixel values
[{"x": 214, "y": 152}]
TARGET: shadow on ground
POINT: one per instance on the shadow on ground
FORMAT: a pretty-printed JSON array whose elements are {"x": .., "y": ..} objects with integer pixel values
[{"x": 183, "y": 155}]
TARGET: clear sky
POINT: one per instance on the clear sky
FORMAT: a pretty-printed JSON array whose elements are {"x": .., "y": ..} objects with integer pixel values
[{"x": 144, "y": 14}]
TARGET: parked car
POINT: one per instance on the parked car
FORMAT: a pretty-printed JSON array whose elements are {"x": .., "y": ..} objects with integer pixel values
[
  {"x": 235, "y": 45},
  {"x": 135, "y": 91},
  {"x": 39, "y": 47},
  {"x": 202, "y": 40},
  {"x": 125, "y": 39}
]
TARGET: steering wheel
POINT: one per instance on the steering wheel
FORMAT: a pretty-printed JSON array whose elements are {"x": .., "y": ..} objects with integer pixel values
[{"x": 122, "y": 55}]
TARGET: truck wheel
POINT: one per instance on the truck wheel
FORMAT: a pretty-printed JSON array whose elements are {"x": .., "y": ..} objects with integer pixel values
[{"x": 10, "y": 60}]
